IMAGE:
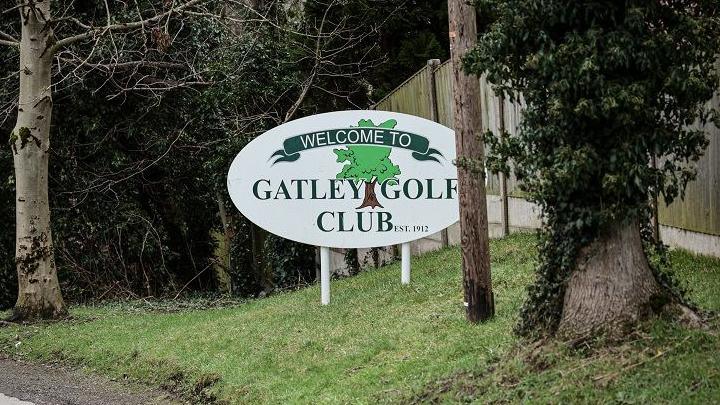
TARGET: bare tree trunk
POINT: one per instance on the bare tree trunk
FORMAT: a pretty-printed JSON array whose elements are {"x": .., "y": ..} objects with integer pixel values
[
  {"x": 471, "y": 183},
  {"x": 38, "y": 288},
  {"x": 370, "y": 199},
  {"x": 222, "y": 252},
  {"x": 612, "y": 287},
  {"x": 262, "y": 268}
]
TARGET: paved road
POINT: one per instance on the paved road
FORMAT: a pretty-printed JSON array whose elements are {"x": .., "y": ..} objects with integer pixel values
[
  {"x": 25, "y": 384},
  {"x": 6, "y": 400}
]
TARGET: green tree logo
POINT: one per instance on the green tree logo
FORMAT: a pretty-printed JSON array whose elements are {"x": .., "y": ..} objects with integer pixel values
[{"x": 370, "y": 164}]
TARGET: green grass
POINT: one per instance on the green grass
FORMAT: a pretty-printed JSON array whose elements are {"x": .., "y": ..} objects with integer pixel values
[{"x": 380, "y": 341}]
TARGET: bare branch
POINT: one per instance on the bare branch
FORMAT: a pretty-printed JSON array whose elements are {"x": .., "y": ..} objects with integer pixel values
[
  {"x": 9, "y": 43},
  {"x": 318, "y": 58},
  {"x": 127, "y": 65},
  {"x": 301, "y": 97},
  {"x": 101, "y": 31},
  {"x": 8, "y": 37},
  {"x": 107, "y": 183},
  {"x": 74, "y": 20}
]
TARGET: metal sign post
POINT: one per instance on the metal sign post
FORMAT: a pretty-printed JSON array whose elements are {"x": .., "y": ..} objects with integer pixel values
[
  {"x": 325, "y": 275},
  {"x": 405, "y": 263}
]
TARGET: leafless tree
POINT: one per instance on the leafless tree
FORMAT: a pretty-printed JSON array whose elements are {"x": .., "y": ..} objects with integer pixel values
[
  {"x": 58, "y": 46},
  {"x": 49, "y": 58}
]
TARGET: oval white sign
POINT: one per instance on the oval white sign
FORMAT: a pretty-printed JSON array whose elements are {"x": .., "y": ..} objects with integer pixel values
[{"x": 349, "y": 179}]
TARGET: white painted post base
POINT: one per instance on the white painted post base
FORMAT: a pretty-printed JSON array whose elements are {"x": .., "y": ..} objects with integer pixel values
[
  {"x": 405, "y": 263},
  {"x": 325, "y": 275}
]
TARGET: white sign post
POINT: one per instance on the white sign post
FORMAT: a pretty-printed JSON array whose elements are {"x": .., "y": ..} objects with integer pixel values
[
  {"x": 405, "y": 263},
  {"x": 349, "y": 179},
  {"x": 325, "y": 275}
]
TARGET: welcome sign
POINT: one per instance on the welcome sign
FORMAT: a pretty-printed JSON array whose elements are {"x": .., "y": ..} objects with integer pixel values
[{"x": 349, "y": 179}]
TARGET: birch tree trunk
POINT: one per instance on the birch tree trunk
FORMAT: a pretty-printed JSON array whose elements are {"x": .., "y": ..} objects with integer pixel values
[{"x": 38, "y": 288}]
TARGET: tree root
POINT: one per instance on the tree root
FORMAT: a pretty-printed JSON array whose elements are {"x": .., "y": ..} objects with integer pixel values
[
  {"x": 685, "y": 315},
  {"x": 47, "y": 313}
]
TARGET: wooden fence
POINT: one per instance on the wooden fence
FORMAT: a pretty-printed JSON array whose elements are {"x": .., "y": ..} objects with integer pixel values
[{"x": 428, "y": 94}]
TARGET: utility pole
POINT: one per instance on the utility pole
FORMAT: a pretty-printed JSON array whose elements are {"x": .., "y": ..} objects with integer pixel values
[{"x": 477, "y": 283}]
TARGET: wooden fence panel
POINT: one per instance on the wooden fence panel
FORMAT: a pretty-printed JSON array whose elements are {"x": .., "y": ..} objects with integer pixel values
[
  {"x": 411, "y": 97},
  {"x": 698, "y": 212},
  {"x": 491, "y": 114},
  {"x": 491, "y": 122},
  {"x": 444, "y": 90}
]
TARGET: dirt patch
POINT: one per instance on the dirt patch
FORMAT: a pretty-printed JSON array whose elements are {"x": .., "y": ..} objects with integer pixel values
[{"x": 50, "y": 385}]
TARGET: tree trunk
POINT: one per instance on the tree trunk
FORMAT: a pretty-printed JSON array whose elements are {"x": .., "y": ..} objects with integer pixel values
[
  {"x": 263, "y": 272},
  {"x": 612, "y": 286},
  {"x": 38, "y": 288},
  {"x": 479, "y": 298},
  {"x": 222, "y": 266},
  {"x": 370, "y": 199}
]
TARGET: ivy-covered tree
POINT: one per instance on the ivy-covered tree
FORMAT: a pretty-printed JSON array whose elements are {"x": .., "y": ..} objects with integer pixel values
[{"x": 608, "y": 86}]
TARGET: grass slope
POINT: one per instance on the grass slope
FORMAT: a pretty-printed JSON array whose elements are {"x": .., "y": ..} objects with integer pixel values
[{"x": 380, "y": 341}]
